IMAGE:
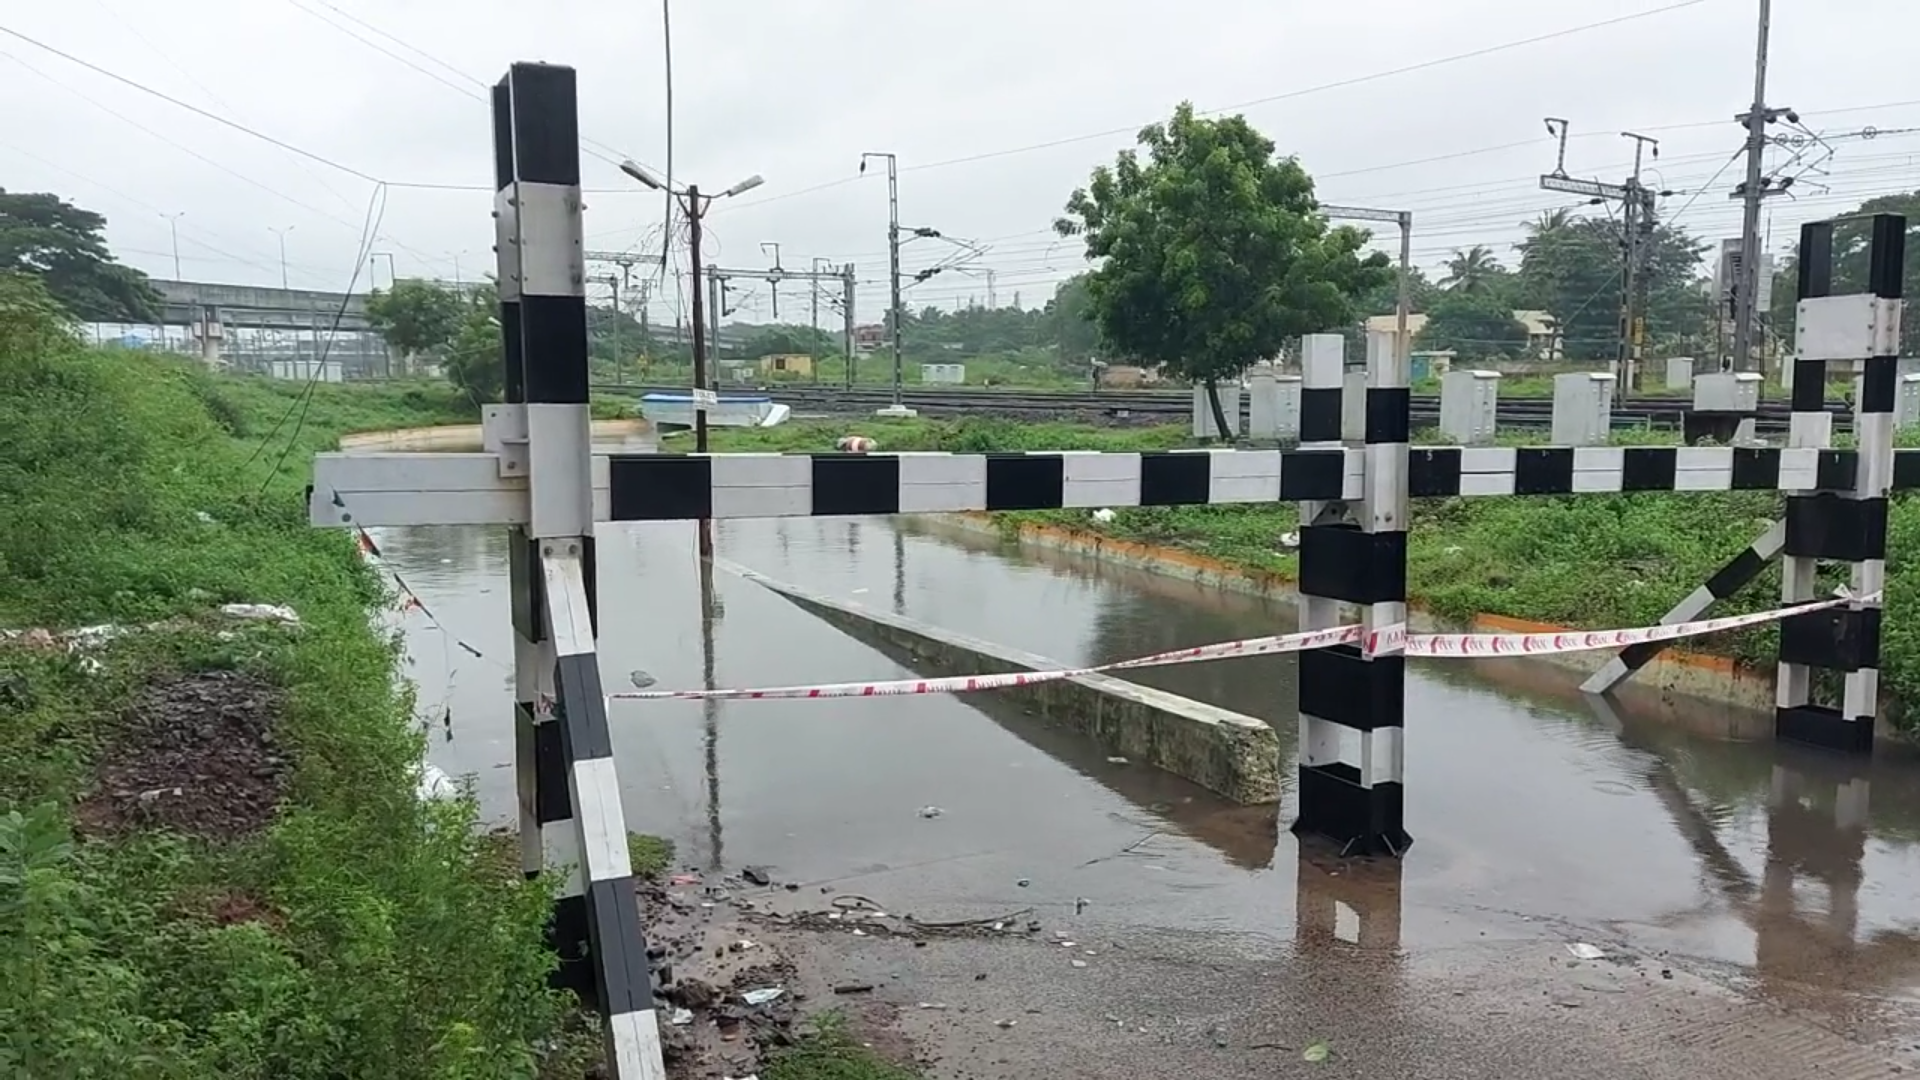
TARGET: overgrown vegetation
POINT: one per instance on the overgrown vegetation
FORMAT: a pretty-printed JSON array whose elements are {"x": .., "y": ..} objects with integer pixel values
[
  {"x": 1591, "y": 561},
  {"x": 361, "y": 935}
]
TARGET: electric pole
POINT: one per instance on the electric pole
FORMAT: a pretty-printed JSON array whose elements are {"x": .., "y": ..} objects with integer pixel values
[
  {"x": 695, "y": 206},
  {"x": 1747, "y": 284},
  {"x": 1637, "y": 216},
  {"x": 282, "y": 234},
  {"x": 893, "y": 262},
  {"x": 814, "y": 345},
  {"x": 173, "y": 229},
  {"x": 773, "y": 285}
]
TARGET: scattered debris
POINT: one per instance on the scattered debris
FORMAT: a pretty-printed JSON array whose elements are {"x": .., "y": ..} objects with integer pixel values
[
  {"x": 853, "y": 988},
  {"x": 931, "y": 811},
  {"x": 196, "y": 755},
  {"x": 640, "y": 679},
  {"x": 763, "y": 996},
  {"x": 1583, "y": 951},
  {"x": 1078, "y": 963},
  {"x": 1319, "y": 1051},
  {"x": 1103, "y": 515},
  {"x": 756, "y": 875},
  {"x": 856, "y": 444},
  {"x": 679, "y": 880},
  {"x": 1080, "y": 904},
  {"x": 433, "y": 784},
  {"x": 1024, "y": 882},
  {"x": 681, "y": 1017},
  {"x": 1118, "y": 760},
  {"x": 279, "y": 613}
]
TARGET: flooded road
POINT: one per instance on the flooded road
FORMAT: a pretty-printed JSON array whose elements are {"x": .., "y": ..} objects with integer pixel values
[{"x": 1789, "y": 873}]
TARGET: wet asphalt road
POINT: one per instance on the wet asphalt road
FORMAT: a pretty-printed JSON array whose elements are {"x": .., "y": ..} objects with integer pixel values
[{"x": 1537, "y": 823}]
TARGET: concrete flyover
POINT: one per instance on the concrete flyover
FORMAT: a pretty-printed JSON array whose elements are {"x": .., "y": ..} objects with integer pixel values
[{"x": 251, "y": 307}]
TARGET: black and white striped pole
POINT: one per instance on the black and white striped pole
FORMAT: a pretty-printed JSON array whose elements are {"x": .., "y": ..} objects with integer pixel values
[
  {"x": 571, "y": 816},
  {"x": 1845, "y": 518}
]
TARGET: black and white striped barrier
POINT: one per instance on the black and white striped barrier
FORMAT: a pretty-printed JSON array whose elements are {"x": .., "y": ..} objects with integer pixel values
[
  {"x": 1845, "y": 519},
  {"x": 571, "y": 820},
  {"x": 538, "y": 476}
]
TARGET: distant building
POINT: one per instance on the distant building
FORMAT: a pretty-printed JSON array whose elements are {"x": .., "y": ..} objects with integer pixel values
[
  {"x": 787, "y": 364},
  {"x": 1543, "y": 339},
  {"x": 869, "y": 337},
  {"x": 1128, "y": 376}
]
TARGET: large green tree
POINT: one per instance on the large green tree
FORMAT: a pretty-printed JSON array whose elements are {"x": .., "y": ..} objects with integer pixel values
[
  {"x": 1068, "y": 321},
  {"x": 64, "y": 246},
  {"x": 1473, "y": 270},
  {"x": 1474, "y": 324},
  {"x": 1850, "y": 235},
  {"x": 417, "y": 317},
  {"x": 1570, "y": 267},
  {"x": 1212, "y": 253}
]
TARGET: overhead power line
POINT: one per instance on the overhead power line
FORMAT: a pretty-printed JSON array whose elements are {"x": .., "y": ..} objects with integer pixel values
[{"x": 1338, "y": 84}]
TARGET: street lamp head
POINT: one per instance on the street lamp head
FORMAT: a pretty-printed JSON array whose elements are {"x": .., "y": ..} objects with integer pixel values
[
  {"x": 863, "y": 165},
  {"x": 748, "y": 184},
  {"x": 643, "y": 174}
]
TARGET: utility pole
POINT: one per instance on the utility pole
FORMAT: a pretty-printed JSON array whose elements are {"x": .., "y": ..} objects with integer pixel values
[
  {"x": 1637, "y": 213},
  {"x": 1403, "y": 307},
  {"x": 773, "y": 283},
  {"x": 814, "y": 345},
  {"x": 282, "y": 234},
  {"x": 846, "y": 315},
  {"x": 619, "y": 352},
  {"x": 173, "y": 228},
  {"x": 1637, "y": 218},
  {"x": 695, "y": 206},
  {"x": 1747, "y": 285},
  {"x": 893, "y": 270},
  {"x": 993, "y": 298}
]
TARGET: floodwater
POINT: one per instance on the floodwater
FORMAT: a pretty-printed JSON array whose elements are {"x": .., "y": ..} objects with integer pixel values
[{"x": 1532, "y": 813}]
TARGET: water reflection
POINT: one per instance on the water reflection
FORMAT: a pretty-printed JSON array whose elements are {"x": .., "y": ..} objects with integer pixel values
[
  {"x": 1647, "y": 819},
  {"x": 711, "y": 613}
]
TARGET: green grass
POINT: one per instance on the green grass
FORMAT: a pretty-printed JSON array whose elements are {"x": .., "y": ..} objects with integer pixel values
[
  {"x": 830, "y": 1052},
  {"x": 383, "y": 941},
  {"x": 651, "y": 855}
]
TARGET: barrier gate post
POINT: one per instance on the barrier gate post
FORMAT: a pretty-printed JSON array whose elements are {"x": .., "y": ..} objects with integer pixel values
[{"x": 571, "y": 819}]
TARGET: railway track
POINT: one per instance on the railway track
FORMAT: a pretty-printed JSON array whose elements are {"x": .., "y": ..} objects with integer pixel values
[{"x": 1660, "y": 413}]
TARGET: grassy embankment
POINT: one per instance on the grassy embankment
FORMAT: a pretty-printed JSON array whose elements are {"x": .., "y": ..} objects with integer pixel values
[
  {"x": 180, "y": 913},
  {"x": 1593, "y": 562}
]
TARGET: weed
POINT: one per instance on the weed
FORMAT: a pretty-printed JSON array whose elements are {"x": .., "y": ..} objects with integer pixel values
[
  {"x": 830, "y": 1052},
  {"x": 365, "y": 933}
]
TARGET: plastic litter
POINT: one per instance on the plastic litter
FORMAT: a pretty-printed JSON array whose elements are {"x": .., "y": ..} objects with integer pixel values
[
  {"x": 763, "y": 995},
  {"x": 279, "y": 613},
  {"x": 681, "y": 1017},
  {"x": 931, "y": 811},
  {"x": 1583, "y": 951}
]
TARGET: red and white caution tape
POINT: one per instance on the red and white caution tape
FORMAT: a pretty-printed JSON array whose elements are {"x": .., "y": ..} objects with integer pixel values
[
  {"x": 962, "y": 684},
  {"x": 1471, "y": 645},
  {"x": 1422, "y": 645}
]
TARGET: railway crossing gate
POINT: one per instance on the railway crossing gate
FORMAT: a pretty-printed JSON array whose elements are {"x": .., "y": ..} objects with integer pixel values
[{"x": 538, "y": 476}]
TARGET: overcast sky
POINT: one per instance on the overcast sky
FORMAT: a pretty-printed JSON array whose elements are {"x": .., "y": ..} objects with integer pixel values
[{"x": 995, "y": 108}]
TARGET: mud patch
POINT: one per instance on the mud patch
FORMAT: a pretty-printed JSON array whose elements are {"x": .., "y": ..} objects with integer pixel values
[{"x": 194, "y": 755}]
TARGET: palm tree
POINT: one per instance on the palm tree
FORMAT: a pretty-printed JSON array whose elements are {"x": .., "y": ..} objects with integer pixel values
[
  {"x": 1550, "y": 221},
  {"x": 1471, "y": 270}
]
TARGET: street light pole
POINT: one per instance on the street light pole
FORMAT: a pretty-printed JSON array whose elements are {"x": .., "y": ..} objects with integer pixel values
[
  {"x": 693, "y": 208},
  {"x": 282, "y": 234},
  {"x": 694, "y": 204},
  {"x": 173, "y": 229}
]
